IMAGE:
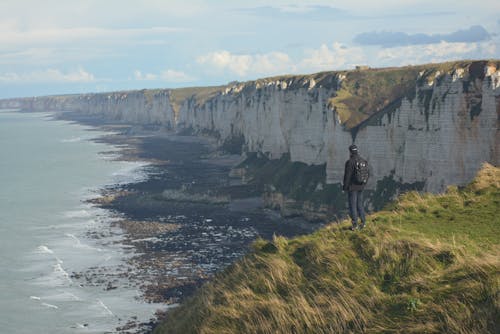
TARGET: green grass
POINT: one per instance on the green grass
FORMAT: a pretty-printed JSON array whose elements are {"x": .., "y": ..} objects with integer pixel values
[
  {"x": 201, "y": 95},
  {"x": 364, "y": 93},
  {"x": 377, "y": 91},
  {"x": 466, "y": 216},
  {"x": 427, "y": 264}
]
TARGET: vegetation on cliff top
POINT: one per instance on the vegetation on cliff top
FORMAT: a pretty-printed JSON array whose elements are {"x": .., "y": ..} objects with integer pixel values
[
  {"x": 361, "y": 94},
  {"x": 364, "y": 93},
  {"x": 201, "y": 94},
  {"x": 428, "y": 263}
]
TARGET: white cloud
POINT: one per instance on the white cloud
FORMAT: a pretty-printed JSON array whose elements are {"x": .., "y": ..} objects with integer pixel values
[
  {"x": 138, "y": 75},
  {"x": 334, "y": 58},
  {"x": 223, "y": 60},
  {"x": 167, "y": 75},
  {"x": 242, "y": 65},
  {"x": 175, "y": 76},
  {"x": 439, "y": 52},
  {"x": 48, "y": 76}
]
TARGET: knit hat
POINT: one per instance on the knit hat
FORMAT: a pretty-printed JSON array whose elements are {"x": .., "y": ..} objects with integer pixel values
[{"x": 353, "y": 148}]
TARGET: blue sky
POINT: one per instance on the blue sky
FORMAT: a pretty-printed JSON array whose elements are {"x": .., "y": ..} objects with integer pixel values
[{"x": 69, "y": 46}]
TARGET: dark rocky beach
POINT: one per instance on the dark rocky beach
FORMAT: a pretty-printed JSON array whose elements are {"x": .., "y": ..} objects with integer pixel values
[{"x": 186, "y": 221}]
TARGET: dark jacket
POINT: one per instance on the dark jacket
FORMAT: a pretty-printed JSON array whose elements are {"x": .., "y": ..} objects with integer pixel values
[{"x": 349, "y": 183}]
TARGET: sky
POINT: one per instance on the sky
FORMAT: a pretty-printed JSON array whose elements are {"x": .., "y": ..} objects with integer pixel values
[{"x": 78, "y": 46}]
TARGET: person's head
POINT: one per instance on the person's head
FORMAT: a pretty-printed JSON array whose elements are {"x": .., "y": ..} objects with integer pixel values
[{"x": 353, "y": 149}]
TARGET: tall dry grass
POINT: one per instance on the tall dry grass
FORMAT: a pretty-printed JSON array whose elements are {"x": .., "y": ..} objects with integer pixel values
[{"x": 405, "y": 273}]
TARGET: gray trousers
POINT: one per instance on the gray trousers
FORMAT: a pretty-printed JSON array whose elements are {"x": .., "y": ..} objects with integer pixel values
[{"x": 356, "y": 207}]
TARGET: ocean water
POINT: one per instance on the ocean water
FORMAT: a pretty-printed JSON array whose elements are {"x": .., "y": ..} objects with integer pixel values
[{"x": 47, "y": 169}]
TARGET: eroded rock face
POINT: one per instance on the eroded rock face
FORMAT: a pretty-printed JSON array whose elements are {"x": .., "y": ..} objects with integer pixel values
[
  {"x": 136, "y": 107},
  {"x": 439, "y": 137},
  {"x": 273, "y": 118},
  {"x": 436, "y": 136},
  {"x": 441, "y": 142}
]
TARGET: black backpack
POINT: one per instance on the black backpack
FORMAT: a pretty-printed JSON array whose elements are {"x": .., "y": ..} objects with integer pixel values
[{"x": 361, "y": 171}]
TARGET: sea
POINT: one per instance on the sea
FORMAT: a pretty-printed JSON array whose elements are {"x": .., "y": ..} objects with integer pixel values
[{"x": 49, "y": 168}]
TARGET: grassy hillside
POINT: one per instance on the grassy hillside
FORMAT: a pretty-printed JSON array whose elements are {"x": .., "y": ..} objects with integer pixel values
[
  {"x": 367, "y": 92},
  {"x": 427, "y": 264},
  {"x": 179, "y": 95}
]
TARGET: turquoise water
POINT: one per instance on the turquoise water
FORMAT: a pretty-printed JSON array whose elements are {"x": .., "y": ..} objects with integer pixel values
[{"x": 47, "y": 167}]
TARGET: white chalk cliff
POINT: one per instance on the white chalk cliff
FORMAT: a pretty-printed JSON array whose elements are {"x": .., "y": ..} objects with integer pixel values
[
  {"x": 437, "y": 135},
  {"x": 441, "y": 142}
]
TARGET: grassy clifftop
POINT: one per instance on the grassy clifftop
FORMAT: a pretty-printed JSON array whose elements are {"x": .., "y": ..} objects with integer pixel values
[
  {"x": 364, "y": 93},
  {"x": 201, "y": 94},
  {"x": 427, "y": 264},
  {"x": 359, "y": 94}
]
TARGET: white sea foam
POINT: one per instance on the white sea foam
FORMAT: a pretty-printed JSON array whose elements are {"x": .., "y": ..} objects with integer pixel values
[
  {"x": 61, "y": 301},
  {"x": 72, "y": 236},
  {"x": 151, "y": 239},
  {"x": 110, "y": 156},
  {"x": 106, "y": 309},
  {"x": 59, "y": 270},
  {"x": 72, "y": 295},
  {"x": 79, "y": 244},
  {"x": 44, "y": 250},
  {"x": 50, "y": 305},
  {"x": 132, "y": 172},
  {"x": 72, "y": 140},
  {"x": 77, "y": 214}
]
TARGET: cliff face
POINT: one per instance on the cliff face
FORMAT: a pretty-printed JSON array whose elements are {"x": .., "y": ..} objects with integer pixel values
[
  {"x": 274, "y": 116},
  {"x": 146, "y": 107},
  {"x": 421, "y": 127},
  {"x": 434, "y": 133},
  {"x": 439, "y": 142}
]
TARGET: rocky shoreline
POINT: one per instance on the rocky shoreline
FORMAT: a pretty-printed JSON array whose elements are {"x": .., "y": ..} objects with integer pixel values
[{"x": 188, "y": 220}]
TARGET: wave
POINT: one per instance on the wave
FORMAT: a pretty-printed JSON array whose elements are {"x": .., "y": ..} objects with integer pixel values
[
  {"x": 50, "y": 305},
  {"x": 73, "y": 296},
  {"x": 72, "y": 140},
  {"x": 72, "y": 236},
  {"x": 59, "y": 270},
  {"x": 101, "y": 304},
  {"x": 133, "y": 172},
  {"x": 79, "y": 243},
  {"x": 35, "y": 298},
  {"x": 42, "y": 249},
  {"x": 151, "y": 239},
  {"x": 77, "y": 214},
  {"x": 110, "y": 156}
]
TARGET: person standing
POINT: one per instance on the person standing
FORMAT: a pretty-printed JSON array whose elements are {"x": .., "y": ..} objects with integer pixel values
[{"x": 355, "y": 177}]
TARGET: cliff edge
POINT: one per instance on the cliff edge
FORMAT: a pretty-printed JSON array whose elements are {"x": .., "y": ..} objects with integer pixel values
[
  {"x": 420, "y": 127},
  {"x": 427, "y": 264}
]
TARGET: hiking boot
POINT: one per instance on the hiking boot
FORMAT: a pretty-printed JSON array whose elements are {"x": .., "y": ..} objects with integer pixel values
[
  {"x": 353, "y": 228},
  {"x": 362, "y": 226}
]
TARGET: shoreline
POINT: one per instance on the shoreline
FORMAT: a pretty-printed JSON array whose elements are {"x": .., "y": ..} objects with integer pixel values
[{"x": 187, "y": 220}]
